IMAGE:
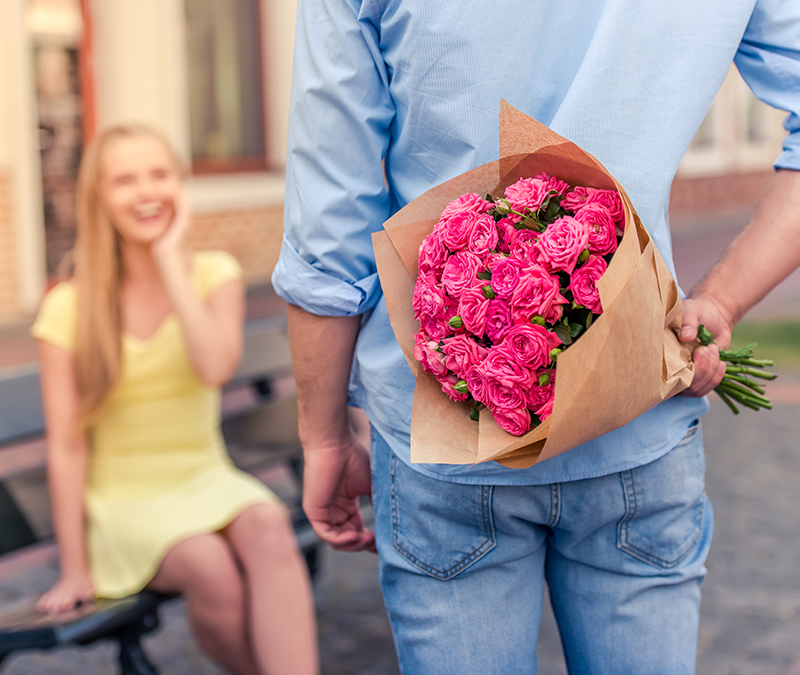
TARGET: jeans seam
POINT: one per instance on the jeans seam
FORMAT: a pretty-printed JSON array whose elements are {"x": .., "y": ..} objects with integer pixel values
[
  {"x": 487, "y": 526},
  {"x": 629, "y": 488},
  {"x": 555, "y": 504}
]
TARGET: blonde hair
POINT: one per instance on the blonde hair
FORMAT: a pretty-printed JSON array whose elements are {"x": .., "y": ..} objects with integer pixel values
[{"x": 98, "y": 275}]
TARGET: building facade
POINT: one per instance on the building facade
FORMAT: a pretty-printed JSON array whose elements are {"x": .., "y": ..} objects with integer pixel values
[{"x": 214, "y": 75}]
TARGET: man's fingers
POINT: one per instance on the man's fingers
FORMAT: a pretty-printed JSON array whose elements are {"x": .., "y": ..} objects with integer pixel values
[
  {"x": 350, "y": 541},
  {"x": 708, "y": 373},
  {"x": 689, "y": 324}
]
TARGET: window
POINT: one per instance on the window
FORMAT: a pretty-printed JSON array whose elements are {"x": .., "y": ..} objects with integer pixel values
[{"x": 225, "y": 85}]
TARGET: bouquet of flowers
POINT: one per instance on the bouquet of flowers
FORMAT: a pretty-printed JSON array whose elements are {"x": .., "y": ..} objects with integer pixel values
[
  {"x": 491, "y": 293},
  {"x": 505, "y": 285}
]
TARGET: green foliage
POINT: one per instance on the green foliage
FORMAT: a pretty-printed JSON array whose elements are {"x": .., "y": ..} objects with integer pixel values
[{"x": 779, "y": 340}]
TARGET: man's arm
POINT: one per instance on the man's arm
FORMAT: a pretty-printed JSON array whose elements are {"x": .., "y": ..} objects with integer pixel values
[
  {"x": 762, "y": 256},
  {"x": 336, "y": 469},
  {"x": 336, "y": 198}
]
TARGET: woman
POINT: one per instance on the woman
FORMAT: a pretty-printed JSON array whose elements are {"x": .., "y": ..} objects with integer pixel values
[{"x": 133, "y": 350}]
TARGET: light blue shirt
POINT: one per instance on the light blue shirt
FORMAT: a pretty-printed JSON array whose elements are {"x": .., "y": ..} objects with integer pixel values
[{"x": 417, "y": 84}]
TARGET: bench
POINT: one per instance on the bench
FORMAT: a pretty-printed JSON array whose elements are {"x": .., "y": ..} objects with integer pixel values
[{"x": 260, "y": 428}]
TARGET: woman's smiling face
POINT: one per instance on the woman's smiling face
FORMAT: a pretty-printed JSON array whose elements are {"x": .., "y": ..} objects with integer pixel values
[{"x": 139, "y": 185}]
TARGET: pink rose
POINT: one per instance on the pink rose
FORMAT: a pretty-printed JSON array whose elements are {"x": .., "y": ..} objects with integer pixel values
[
  {"x": 504, "y": 397},
  {"x": 456, "y": 231},
  {"x": 560, "y": 245},
  {"x": 574, "y": 200},
  {"x": 537, "y": 294},
  {"x": 531, "y": 344},
  {"x": 507, "y": 232},
  {"x": 553, "y": 184},
  {"x": 484, "y": 236},
  {"x": 471, "y": 202},
  {"x": 472, "y": 309},
  {"x": 611, "y": 200},
  {"x": 448, "y": 382},
  {"x": 516, "y": 422},
  {"x": 432, "y": 254},
  {"x": 522, "y": 248},
  {"x": 505, "y": 275},
  {"x": 462, "y": 353},
  {"x": 436, "y": 327},
  {"x": 602, "y": 228},
  {"x": 539, "y": 395},
  {"x": 583, "y": 283},
  {"x": 527, "y": 193},
  {"x": 502, "y": 367},
  {"x": 460, "y": 272},
  {"x": 545, "y": 411},
  {"x": 428, "y": 299},
  {"x": 477, "y": 382},
  {"x": 425, "y": 351},
  {"x": 498, "y": 320}
]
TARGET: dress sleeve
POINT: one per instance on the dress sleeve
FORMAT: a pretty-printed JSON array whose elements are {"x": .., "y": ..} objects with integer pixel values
[
  {"x": 56, "y": 322},
  {"x": 769, "y": 61},
  {"x": 336, "y": 196},
  {"x": 213, "y": 269}
]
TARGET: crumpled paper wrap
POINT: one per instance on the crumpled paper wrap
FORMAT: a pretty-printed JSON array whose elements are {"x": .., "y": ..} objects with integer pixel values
[{"x": 628, "y": 361}]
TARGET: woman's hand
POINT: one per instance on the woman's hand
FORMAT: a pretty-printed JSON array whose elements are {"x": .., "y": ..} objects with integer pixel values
[
  {"x": 171, "y": 242},
  {"x": 67, "y": 594}
]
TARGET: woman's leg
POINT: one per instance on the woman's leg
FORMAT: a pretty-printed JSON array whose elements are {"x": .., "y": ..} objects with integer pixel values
[
  {"x": 282, "y": 621},
  {"x": 203, "y": 569}
]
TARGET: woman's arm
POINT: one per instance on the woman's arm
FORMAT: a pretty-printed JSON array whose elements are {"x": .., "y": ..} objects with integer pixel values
[
  {"x": 66, "y": 470},
  {"x": 212, "y": 328}
]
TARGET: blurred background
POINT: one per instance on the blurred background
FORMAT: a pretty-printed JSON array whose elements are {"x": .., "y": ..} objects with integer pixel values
[{"x": 215, "y": 76}]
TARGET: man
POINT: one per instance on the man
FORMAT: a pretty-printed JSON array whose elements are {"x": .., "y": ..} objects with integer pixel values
[{"x": 392, "y": 97}]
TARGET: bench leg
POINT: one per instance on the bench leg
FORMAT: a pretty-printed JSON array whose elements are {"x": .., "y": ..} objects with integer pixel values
[{"x": 132, "y": 658}]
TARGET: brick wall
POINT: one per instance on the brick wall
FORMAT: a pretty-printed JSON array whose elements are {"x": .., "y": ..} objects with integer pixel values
[
  {"x": 253, "y": 236},
  {"x": 9, "y": 290}
]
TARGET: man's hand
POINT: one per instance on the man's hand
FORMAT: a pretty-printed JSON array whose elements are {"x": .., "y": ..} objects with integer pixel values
[
  {"x": 709, "y": 370},
  {"x": 333, "y": 480}
]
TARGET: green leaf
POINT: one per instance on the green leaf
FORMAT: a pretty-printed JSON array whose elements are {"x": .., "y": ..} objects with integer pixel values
[
  {"x": 474, "y": 414},
  {"x": 575, "y": 329},
  {"x": 552, "y": 209},
  {"x": 485, "y": 275},
  {"x": 529, "y": 223},
  {"x": 563, "y": 333},
  {"x": 488, "y": 292}
]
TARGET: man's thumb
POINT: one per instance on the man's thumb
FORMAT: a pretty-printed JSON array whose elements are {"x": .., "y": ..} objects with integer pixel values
[{"x": 689, "y": 325}]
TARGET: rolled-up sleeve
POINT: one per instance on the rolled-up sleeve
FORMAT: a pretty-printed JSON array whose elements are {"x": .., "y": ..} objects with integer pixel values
[
  {"x": 336, "y": 195},
  {"x": 769, "y": 61}
]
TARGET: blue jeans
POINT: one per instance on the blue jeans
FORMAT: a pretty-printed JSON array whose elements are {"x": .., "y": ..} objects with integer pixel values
[{"x": 463, "y": 567}]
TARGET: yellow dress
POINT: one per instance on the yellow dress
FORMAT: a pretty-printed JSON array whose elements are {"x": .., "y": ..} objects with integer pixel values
[{"x": 159, "y": 471}]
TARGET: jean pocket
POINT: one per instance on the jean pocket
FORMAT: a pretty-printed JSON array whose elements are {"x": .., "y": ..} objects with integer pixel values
[
  {"x": 665, "y": 501},
  {"x": 441, "y": 528}
]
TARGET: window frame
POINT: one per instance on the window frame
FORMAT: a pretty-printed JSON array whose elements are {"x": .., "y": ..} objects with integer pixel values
[{"x": 210, "y": 166}]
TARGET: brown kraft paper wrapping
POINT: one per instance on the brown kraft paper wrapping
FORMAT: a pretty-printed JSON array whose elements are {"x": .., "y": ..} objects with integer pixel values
[{"x": 628, "y": 361}]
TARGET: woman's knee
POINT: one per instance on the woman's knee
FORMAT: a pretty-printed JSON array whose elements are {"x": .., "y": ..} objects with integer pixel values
[{"x": 263, "y": 533}]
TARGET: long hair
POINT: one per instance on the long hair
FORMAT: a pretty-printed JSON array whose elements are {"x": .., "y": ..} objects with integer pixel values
[{"x": 98, "y": 275}]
